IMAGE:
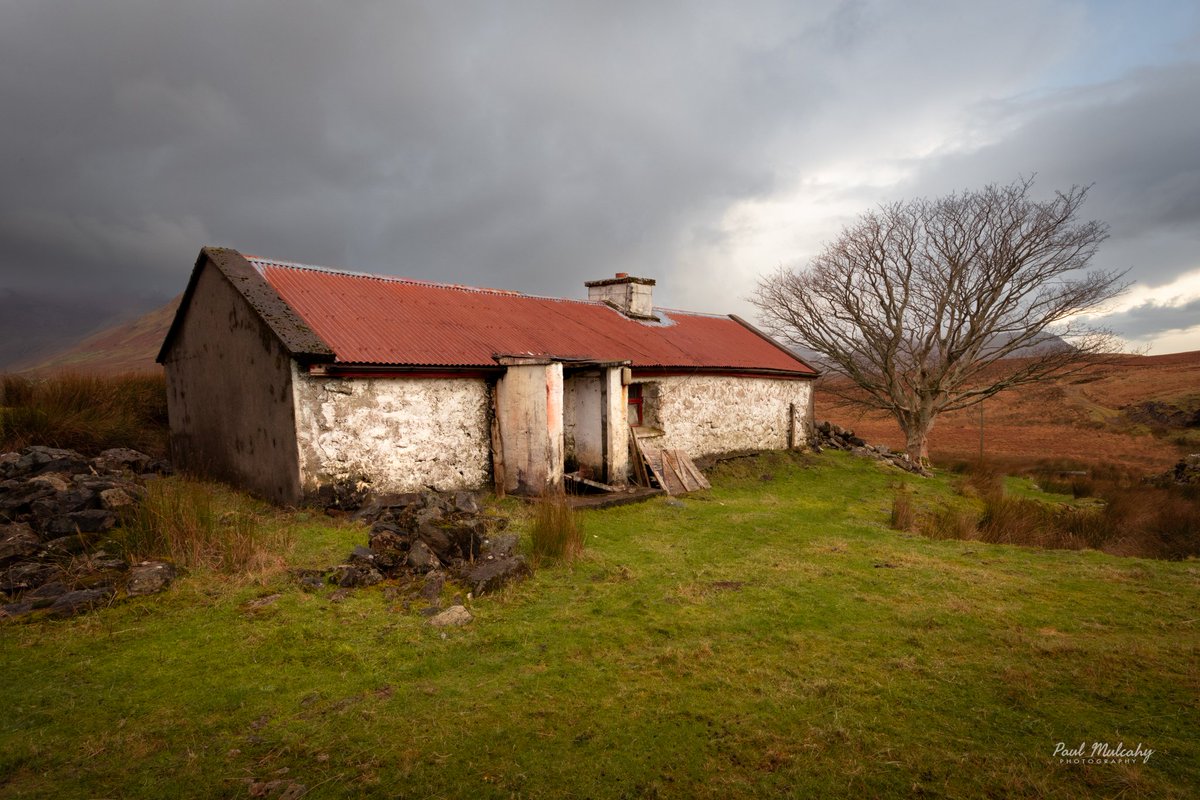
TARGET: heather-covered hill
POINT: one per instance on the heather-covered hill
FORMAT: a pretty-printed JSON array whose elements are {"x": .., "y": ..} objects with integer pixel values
[
  {"x": 1141, "y": 412},
  {"x": 128, "y": 347}
]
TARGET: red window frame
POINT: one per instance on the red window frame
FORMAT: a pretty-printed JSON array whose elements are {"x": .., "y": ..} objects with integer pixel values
[{"x": 635, "y": 404}]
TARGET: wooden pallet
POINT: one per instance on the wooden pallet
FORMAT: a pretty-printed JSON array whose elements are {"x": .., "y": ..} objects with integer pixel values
[
  {"x": 640, "y": 463},
  {"x": 672, "y": 469}
]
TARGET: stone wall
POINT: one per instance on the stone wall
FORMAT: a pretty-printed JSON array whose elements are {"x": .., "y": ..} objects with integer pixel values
[
  {"x": 709, "y": 414},
  {"x": 406, "y": 434}
]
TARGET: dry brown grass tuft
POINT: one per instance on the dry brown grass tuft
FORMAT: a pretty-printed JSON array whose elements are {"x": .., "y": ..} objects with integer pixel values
[
  {"x": 87, "y": 413},
  {"x": 949, "y": 522},
  {"x": 555, "y": 533},
  {"x": 184, "y": 521},
  {"x": 904, "y": 516},
  {"x": 1011, "y": 520},
  {"x": 981, "y": 479}
]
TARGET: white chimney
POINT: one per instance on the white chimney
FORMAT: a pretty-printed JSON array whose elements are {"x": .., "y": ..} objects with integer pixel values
[{"x": 633, "y": 297}]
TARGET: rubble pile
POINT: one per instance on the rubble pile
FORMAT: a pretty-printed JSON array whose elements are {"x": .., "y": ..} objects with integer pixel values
[
  {"x": 56, "y": 509},
  {"x": 827, "y": 435},
  {"x": 437, "y": 537}
]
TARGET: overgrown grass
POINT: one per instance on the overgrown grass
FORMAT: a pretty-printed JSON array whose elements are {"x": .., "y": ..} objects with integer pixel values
[
  {"x": 555, "y": 532},
  {"x": 84, "y": 412},
  {"x": 200, "y": 525},
  {"x": 904, "y": 515},
  {"x": 1130, "y": 518},
  {"x": 769, "y": 638}
]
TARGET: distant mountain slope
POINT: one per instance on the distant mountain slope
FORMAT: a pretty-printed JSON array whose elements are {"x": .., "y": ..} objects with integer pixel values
[
  {"x": 128, "y": 347},
  {"x": 33, "y": 325}
]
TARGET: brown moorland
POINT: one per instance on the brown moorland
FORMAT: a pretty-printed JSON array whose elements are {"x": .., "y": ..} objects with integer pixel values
[{"x": 1138, "y": 412}]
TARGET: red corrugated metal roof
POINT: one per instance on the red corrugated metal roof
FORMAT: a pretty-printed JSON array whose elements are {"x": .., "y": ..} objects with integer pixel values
[{"x": 368, "y": 319}]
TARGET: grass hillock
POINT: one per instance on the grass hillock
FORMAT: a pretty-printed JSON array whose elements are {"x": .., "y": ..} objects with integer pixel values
[{"x": 770, "y": 637}]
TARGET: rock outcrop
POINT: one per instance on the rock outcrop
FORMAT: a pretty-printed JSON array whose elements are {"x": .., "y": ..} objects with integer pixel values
[
  {"x": 1186, "y": 472},
  {"x": 57, "y": 508}
]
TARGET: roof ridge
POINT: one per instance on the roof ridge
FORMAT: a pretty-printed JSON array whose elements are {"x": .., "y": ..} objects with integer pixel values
[
  {"x": 712, "y": 314},
  {"x": 257, "y": 260}
]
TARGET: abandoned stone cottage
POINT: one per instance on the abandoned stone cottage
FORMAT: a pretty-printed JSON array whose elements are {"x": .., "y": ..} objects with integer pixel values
[{"x": 283, "y": 378}]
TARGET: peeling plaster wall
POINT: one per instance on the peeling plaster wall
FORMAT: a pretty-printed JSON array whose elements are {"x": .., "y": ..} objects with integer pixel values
[
  {"x": 229, "y": 395},
  {"x": 618, "y": 426},
  {"x": 400, "y": 434},
  {"x": 706, "y": 414}
]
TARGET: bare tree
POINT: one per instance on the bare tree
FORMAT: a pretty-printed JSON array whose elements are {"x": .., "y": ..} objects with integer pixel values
[{"x": 934, "y": 305}]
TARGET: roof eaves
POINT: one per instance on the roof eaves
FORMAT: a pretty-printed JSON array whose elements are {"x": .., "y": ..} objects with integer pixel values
[{"x": 815, "y": 372}]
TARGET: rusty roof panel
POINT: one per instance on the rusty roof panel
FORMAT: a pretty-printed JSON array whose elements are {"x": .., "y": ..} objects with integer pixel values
[{"x": 367, "y": 319}]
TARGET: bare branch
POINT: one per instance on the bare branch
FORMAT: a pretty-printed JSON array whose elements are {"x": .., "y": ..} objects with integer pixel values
[{"x": 933, "y": 305}]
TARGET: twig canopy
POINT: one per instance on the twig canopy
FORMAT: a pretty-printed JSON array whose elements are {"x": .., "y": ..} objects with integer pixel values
[{"x": 934, "y": 305}]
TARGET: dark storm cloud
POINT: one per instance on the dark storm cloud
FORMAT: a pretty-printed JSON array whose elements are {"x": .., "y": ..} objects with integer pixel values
[
  {"x": 436, "y": 140},
  {"x": 1134, "y": 140},
  {"x": 531, "y": 146}
]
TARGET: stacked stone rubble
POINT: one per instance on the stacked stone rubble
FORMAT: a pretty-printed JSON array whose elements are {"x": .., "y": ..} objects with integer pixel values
[
  {"x": 830, "y": 436},
  {"x": 56, "y": 510},
  {"x": 437, "y": 536}
]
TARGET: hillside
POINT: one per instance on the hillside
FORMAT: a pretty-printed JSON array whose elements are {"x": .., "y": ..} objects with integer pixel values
[
  {"x": 1142, "y": 412},
  {"x": 128, "y": 347}
]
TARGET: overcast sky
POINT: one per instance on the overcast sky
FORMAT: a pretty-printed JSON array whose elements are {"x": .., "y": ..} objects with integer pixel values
[{"x": 533, "y": 146}]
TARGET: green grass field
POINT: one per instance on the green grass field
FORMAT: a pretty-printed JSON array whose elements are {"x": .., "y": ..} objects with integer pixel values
[{"x": 769, "y": 638}]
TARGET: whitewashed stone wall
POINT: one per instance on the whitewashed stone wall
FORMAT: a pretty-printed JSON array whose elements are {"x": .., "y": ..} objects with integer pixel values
[
  {"x": 405, "y": 433},
  {"x": 704, "y": 415}
]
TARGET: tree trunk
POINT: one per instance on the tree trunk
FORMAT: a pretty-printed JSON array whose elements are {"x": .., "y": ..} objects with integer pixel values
[{"x": 916, "y": 435}]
